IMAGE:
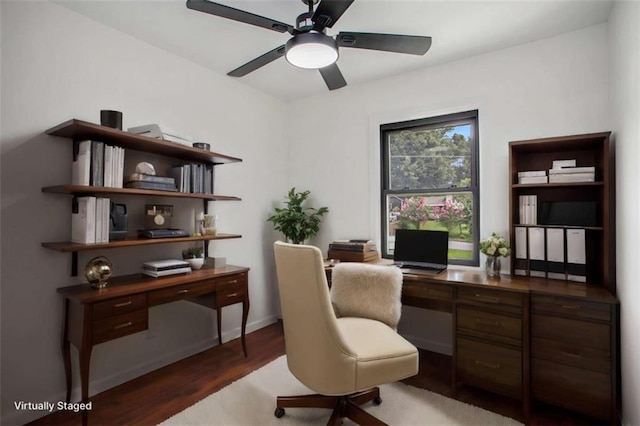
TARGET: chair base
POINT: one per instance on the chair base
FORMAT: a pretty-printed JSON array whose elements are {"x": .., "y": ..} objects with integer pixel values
[{"x": 345, "y": 406}]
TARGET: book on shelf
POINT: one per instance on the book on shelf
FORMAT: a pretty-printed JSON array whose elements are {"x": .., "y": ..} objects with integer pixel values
[
  {"x": 81, "y": 166},
  {"x": 532, "y": 180},
  {"x": 142, "y": 177},
  {"x": 572, "y": 177},
  {"x": 532, "y": 173},
  {"x": 157, "y": 186},
  {"x": 528, "y": 209},
  {"x": 571, "y": 170},
  {"x": 576, "y": 255},
  {"x": 559, "y": 164},
  {"x": 193, "y": 178},
  {"x": 83, "y": 220}
]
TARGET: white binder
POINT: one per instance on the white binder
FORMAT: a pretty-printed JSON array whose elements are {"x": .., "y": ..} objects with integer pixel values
[
  {"x": 537, "y": 261},
  {"x": 576, "y": 255},
  {"x": 555, "y": 254},
  {"x": 520, "y": 263}
]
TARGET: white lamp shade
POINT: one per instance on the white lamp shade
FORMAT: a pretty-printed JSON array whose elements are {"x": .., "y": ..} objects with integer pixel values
[{"x": 311, "y": 50}]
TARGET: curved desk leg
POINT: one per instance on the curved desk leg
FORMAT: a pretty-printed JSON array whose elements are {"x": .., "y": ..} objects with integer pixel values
[
  {"x": 245, "y": 315},
  {"x": 219, "y": 317},
  {"x": 66, "y": 350},
  {"x": 85, "y": 358}
]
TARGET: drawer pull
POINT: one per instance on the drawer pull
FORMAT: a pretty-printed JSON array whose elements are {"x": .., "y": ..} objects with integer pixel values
[
  {"x": 232, "y": 295},
  {"x": 484, "y": 322},
  {"x": 488, "y": 364},
  {"x": 126, "y": 324},
  {"x": 183, "y": 291},
  {"x": 571, "y": 354},
  {"x": 570, "y": 306},
  {"x": 233, "y": 282},
  {"x": 492, "y": 299},
  {"x": 120, "y": 305}
]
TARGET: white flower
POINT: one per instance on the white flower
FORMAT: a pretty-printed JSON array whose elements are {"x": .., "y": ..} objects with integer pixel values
[
  {"x": 503, "y": 251},
  {"x": 491, "y": 250}
]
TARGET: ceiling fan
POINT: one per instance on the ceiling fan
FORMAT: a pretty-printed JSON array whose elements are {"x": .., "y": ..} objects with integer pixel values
[{"x": 310, "y": 47}]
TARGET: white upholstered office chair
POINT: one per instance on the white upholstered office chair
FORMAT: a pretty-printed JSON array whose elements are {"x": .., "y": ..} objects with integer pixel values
[{"x": 342, "y": 359}]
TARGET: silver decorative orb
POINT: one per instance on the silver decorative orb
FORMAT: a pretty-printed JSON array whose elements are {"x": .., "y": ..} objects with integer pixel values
[{"x": 98, "y": 271}]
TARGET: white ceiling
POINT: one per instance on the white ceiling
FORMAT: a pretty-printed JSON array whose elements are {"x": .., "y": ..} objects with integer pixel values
[{"x": 459, "y": 29}]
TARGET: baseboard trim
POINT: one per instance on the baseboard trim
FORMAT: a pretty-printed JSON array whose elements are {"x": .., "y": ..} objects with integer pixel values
[{"x": 105, "y": 383}]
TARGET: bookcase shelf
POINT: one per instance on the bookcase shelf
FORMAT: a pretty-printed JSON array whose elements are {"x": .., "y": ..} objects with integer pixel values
[
  {"x": 557, "y": 185},
  {"x": 93, "y": 190},
  {"x": 69, "y": 247},
  {"x": 589, "y": 150},
  {"x": 80, "y": 130}
]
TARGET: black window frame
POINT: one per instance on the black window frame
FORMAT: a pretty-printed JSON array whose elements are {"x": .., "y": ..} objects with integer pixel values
[{"x": 467, "y": 117}]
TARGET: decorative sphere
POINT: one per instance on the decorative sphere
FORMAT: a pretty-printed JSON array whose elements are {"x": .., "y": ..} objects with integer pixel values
[
  {"x": 146, "y": 168},
  {"x": 98, "y": 271}
]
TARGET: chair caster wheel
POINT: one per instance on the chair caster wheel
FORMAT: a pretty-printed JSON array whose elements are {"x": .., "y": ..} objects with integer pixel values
[
  {"x": 377, "y": 400},
  {"x": 279, "y": 412}
]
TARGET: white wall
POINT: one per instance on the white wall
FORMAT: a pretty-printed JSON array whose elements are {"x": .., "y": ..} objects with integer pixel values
[
  {"x": 557, "y": 86},
  {"x": 624, "y": 56},
  {"x": 59, "y": 65}
]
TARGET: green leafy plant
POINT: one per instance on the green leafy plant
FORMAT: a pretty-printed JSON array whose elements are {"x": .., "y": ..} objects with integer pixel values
[
  {"x": 495, "y": 246},
  {"x": 295, "y": 221},
  {"x": 192, "y": 253}
]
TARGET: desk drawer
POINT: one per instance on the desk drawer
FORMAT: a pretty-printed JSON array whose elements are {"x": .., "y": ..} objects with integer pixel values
[
  {"x": 231, "y": 290},
  {"x": 575, "y": 332},
  {"x": 491, "y": 367},
  {"x": 119, "y": 325},
  {"x": 585, "y": 391},
  {"x": 118, "y": 306},
  {"x": 569, "y": 354},
  {"x": 172, "y": 294},
  {"x": 427, "y": 290},
  {"x": 475, "y": 320},
  {"x": 574, "y": 308},
  {"x": 490, "y": 298}
]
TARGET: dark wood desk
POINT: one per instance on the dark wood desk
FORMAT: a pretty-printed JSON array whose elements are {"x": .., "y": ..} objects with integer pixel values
[
  {"x": 528, "y": 338},
  {"x": 94, "y": 316}
]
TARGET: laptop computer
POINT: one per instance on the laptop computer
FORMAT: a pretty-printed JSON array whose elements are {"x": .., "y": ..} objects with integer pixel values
[{"x": 422, "y": 250}]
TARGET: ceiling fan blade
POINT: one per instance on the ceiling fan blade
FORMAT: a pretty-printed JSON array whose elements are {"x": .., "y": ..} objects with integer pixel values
[
  {"x": 258, "y": 62},
  {"x": 333, "y": 77},
  {"x": 328, "y": 12},
  {"x": 238, "y": 15},
  {"x": 413, "y": 45}
]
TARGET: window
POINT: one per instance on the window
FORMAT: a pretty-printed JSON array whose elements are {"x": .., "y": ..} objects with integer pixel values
[{"x": 430, "y": 181}]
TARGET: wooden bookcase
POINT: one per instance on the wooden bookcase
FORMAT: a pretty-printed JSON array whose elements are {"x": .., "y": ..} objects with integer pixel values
[
  {"x": 595, "y": 149},
  {"x": 77, "y": 130}
]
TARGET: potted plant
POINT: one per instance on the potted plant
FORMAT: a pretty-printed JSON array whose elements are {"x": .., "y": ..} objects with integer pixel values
[
  {"x": 194, "y": 256},
  {"x": 297, "y": 222}
]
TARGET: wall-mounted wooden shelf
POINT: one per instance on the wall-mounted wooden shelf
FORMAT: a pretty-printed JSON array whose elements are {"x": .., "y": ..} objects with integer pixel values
[
  {"x": 69, "y": 247},
  {"x": 80, "y": 130},
  {"x": 89, "y": 190}
]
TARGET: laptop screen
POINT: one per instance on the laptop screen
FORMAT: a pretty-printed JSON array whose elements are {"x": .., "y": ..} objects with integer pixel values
[{"x": 413, "y": 245}]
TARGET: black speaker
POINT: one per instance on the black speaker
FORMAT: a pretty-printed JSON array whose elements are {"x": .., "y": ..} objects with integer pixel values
[
  {"x": 118, "y": 222},
  {"x": 111, "y": 118}
]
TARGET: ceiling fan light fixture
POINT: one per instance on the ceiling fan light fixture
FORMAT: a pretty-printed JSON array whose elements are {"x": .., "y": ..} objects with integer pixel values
[{"x": 311, "y": 50}]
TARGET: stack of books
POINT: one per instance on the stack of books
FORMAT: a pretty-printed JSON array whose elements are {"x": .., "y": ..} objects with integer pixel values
[
  {"x": 161, "y": 268},
  {"x": 532, "y": 176},
  {"x": 353, "y": 250},
  {"x": 572, "y": 174},
  {"x": 97, "y": 164},
  {"x": 144, "y": 181}
]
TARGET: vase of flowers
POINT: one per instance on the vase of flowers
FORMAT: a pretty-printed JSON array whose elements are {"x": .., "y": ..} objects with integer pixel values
[{"x": 494, "y": 248}]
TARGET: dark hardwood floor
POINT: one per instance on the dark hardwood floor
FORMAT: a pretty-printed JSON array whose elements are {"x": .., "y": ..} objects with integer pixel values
[{"x": 154, "y": 397}]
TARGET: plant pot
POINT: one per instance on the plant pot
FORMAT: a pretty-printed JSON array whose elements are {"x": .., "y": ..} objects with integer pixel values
[{"x": 195, "y": 263}]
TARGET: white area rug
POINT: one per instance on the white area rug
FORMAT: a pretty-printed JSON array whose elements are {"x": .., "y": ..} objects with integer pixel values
[{"x": 251, "y": 401}]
